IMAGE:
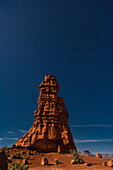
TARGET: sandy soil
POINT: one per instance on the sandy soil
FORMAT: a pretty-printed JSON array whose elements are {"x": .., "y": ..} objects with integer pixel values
[{"x": 64, "y": 161}]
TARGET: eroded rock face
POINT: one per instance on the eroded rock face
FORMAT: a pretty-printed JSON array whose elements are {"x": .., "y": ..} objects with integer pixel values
[{"x": 50, "y": 128}]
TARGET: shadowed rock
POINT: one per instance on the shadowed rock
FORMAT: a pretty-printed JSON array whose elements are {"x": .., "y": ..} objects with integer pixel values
[
  {"x": 110, "y": 163},
  {"x": 50, "y": 128},
  {"x": 98, "y": 155},
  {"x": 3, "y": 161},
  {"x": 44, "y": 161}
]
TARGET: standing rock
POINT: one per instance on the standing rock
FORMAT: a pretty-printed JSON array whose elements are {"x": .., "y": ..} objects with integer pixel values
[
  {"x": 110, "y": 163},
  {"x": 98, "y": 155},
  {"x": 59, "y": 149},
  {"x": 3, "y": 161},
  {"x": 50, "y": 128},
  {"x": 44, "y": 161}
]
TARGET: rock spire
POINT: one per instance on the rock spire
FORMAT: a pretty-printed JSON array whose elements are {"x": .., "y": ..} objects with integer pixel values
[{"x": 50, "y": 130}]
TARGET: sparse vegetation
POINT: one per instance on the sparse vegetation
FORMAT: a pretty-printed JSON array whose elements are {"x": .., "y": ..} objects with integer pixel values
[
  {"x": 72, "y": 151},
  {"x": 76, "y": 159},
  {"x": 42, "y": 154},
  {"x": 79, "y": 151},
  {"x": 23, "y": 167},
  {"x": 27, "y": 157},
  {"x": 17, "y": 166},
  {"x": 18, "y": 155},
  {"x": 15, "y": 150},
  {"x": 56, "y": 161},
  {"x": 7, "y": 152},
  {"x": 4, "y": 148}
]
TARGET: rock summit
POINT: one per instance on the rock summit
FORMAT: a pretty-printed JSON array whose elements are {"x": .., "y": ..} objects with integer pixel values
[{"x": 50, "y": 129}]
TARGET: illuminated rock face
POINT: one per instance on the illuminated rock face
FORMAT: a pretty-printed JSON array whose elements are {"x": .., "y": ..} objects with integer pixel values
[{"x": 50, "y": 129}]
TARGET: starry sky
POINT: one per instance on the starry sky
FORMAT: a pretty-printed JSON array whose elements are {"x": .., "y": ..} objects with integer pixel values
[{"x": 73, "y": 40}]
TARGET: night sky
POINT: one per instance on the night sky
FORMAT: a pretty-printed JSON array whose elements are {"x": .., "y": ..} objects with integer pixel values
[{"x": 73, "y": 40}]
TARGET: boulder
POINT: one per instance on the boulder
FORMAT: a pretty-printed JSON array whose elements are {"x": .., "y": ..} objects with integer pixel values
[
  {"x": 44, "y": 161},
  {"x": 98, "y": 155},
  {"x": 3, "y": 161},
  {"x": 110, "y": 163},
  {"x": 50, "y": 129}
]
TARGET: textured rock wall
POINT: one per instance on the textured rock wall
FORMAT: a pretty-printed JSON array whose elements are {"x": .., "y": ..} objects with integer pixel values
[{"x": 50, "y": 128}]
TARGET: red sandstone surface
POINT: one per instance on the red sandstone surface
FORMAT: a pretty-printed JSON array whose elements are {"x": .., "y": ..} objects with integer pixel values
[{"x": 50, "y": 130}]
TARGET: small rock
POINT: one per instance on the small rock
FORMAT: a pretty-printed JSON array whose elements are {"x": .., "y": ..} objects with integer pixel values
[
  {"x": 25, "y": 161},
  {"x": 30, "y": 152},
  {"x": 104, "y": 163},
  {"x": 87, "y": 164},
  {"x": 110, "y": 163},
  {"x": 98, "y": 155},
  {"x": 44, "y": 161}
]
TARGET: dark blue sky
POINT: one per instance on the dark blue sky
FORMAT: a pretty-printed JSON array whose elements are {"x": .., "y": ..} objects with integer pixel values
[{"x": 72, "y": 40}]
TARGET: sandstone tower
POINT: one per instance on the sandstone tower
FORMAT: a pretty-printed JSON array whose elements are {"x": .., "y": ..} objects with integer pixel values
[{"x": 50, "y": 129}]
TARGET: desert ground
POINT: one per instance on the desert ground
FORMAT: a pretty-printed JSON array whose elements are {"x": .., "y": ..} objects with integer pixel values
[{"x": 34, "y": 161}]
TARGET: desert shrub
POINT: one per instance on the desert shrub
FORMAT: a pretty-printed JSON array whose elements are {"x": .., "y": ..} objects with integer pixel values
[
  {"x": 23, "y": 167},
  {"x": 79, "y": 151},
  {"x": 76, "y": 159},
  {"x": 4, "y": 148},
  {"x": 15, "y": 164},
  {"x": 72, "y": 151},
  {"x": 7, "y": 152},
  {"x": 18, "y": 155},
  {"x": 12, "y": 168},
  {"x": 56, "y": 161},
  {"x": 18, "y": 166},
  {"x": 42, "y": 154}
]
